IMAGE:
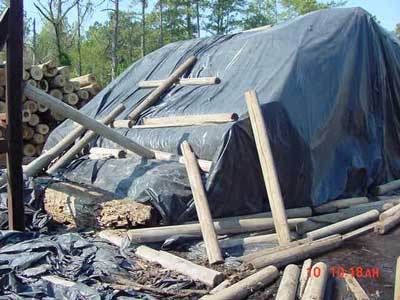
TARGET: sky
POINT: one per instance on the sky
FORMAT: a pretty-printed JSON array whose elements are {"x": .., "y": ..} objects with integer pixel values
[{"x": 386, "y": 11}]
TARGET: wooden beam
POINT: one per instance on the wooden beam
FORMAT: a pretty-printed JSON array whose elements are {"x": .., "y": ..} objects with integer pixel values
[
  {"x": 179, "y": 121},
  {"x": 4, "y": 27},
  {"x": 75, "y": 115},
  {"x": 201, "y": 203},
  {"x": 240, "y": 290},
  {"x": 268, "y": 168},
  {"x": 178, "y": 264},
  {"x": 182, "y": 81},
  {"x": 157, "y": 93},
  {"x": 14, "y": 112},
  {"x": 90, "y": 135}
]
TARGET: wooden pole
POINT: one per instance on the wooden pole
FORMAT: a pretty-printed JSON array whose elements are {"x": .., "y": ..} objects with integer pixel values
[
  {"x": 304, "y": 275},
  {"x": 271, "y": 238},
  {"x": 222, "y": 226},
  {"x": 397, "y": 281},
  {"x": 387, "y": 187},
  {"x": 180, "y": 265},
  {"x": 315, "y": 289},
  {"x": 201, "y": 204},
  {"x": 179, "y": 121},
  {"x": 356, "y": 289},
  {"x": 15, "y": 188},
  {"x": 240, "y": 290},
  {"x": 333, "y": 206},
  {"x": 78, "y": 117},
  {"x": 118, "y": 153},
  {"x": 47, "y": 157},
  {"x": 288, "y": 286},
  {"x": 390, "y": 212},
  {"x": 155, "y": 95},
  {"x": 345, "y": 225},
  {"x": 182, "y": 81},
  {"x": 360, "y": 231},
  {"x": 297, "y": 253},
  {"x": 268, "y": 168},
  {"x": 383, "y": 227}
]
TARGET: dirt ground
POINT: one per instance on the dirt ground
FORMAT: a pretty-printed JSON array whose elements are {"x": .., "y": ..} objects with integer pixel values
[{"x": 375, "y": 254}]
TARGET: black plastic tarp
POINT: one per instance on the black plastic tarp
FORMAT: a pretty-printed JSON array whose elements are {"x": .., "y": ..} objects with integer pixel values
[{"x": 329, "y": 87}]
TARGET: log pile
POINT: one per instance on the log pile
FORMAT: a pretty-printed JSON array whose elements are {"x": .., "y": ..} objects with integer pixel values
[{"x": 38, "y": 119}]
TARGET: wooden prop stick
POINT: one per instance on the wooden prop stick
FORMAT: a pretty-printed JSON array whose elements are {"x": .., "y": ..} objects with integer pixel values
[
  {"x": 75, "y": 115},
  {"x": 387, "y": 187},
  {"x": 356, "y": 289},
  {"x": 179, "y": 121},
  {"x": 345, "y": 225},
  {"x": 242, "y": 289},
  {"x": 304, "y": 275},
  {"x": 155, "y": 95},
  {"x": 288, "y": 286},
  {"x": 47, "y": 157},
  {"x": 201, "y": 203},
  {"x": 180, "y": 265},
  {"x": 268, "y": 168},
  {"x": 182, "y": 81},
  {"x": 315, "y": 289},
  {"x": 222, "y": 226},
  {"x": 297, "y": 253}
]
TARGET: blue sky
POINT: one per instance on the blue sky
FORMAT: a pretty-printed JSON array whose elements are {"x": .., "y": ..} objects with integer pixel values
[{"x": 387, "y": 11}]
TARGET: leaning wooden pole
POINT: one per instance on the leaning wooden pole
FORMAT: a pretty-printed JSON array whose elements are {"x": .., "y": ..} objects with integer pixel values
[
  {"x": 15, "y": 46},
  {"x": 75, "y": 149},
  {"x": 75, "y": 115},
  {"x": 268, "y": 168},
  {"x": 202, "y": 207},
  {"x": 155, "y": 95},
  {"x": 397, "y": 281}
]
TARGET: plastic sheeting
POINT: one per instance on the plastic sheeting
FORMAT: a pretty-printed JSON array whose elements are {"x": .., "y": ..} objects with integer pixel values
[{"x": 329, "y": 86}]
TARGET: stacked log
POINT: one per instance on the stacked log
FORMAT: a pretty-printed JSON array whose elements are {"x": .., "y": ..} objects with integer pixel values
[{"x": 39, "y": 120}]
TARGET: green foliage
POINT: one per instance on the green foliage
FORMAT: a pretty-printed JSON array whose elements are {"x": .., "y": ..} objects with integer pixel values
[{"x": 179, "y": 22}]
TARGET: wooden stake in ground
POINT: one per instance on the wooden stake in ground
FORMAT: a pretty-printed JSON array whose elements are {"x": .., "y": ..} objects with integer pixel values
[
  {"x": 178, "y": 264},
  {"x": 240, "y": 290},
  {"x": 155, "y": 95},
  {"x": 268, "y": 168},
  {"x": 201, "y": 203},
  {"x": 288, "y": 286},
  {"x": 75, "y": 115},
  {"x": 315, "y": 289}
]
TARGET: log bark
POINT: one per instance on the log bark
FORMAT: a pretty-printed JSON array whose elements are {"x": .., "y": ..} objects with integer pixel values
[
  {"x": 268, "y": 168},
  {"x": 182, "y": 81},
  {"x": 345, "y": 225},
  {"x": 222, "y": 226},
  {"x": 56, "y": 93},
  {"x": 71, "y": 99},
  {"x": 93, "y": 89},
  {"x": 298, "y": 253},
  {"x": 57, "y": 82},
  {"x": 304, "y": 275},
  {"x": 86, "y": 121},
  {"x": 44, "y": 85},
  {"x": 155, "y": 95},
  {"x": 333, "y": 206},
  {"x": 315, "y": 289},
  {"x": 76, "y": 85},
  {"x": 250, "y": 240},
  {"x": 242, "y": 289},
  {"x": 387, "y": 187},
  {"x": 180, "y": 265},
  {"x": 68, "y": 87},
  {"x": 84, "y": 80},
  {"x": 65, "y": 71},
  {"x": 117, "y": 153},
  {"x": 49, "y": 68},
  {"x": 34, "y": 120},
  {"x": 390, "y": 212},
  {"x": 85, "y": 206},
  {"x": 288, "y": 286},
  {"x": 201, "y": 203}
]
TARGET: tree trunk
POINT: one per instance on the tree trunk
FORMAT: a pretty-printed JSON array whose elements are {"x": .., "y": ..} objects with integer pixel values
[
  {"x": 143, "y": 28},
  {"x": 34, "y": 43},
  {"x": 114, "y": 46},
  {"x": 198, "y": 17},
  {"x": 78, "y": 44},
  {"x": 189, "y": 19},
  {"x": 161, "y": 24}
]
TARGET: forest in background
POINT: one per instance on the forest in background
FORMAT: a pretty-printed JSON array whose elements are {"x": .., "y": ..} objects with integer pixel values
[{"x": 107, "y": 48}]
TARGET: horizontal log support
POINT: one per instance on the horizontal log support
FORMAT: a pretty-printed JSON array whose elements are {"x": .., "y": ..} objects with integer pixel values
[{"x": 145, "y": 84}]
